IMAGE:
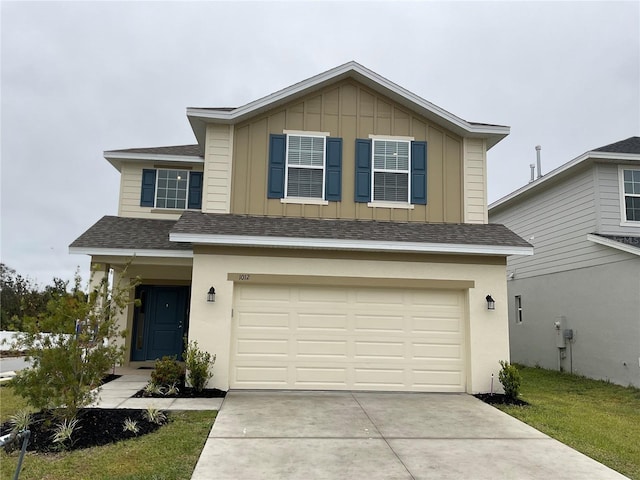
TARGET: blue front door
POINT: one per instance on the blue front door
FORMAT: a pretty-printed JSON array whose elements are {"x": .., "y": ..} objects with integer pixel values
[{"x": 160, "y": 322}]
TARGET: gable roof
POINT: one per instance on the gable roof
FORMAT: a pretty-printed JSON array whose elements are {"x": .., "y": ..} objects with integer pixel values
[
  {"x": 199, "y": 117},
  {"x": 170, "y": 154},
  {"x": 626, "y": 151},
  {"x": 337, "y": 234},
  {"x": 629, "y": 145},
  {"x": 169, "y": 238}
]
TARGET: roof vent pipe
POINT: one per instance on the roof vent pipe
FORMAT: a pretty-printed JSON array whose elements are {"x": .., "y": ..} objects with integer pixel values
[
  {"x": 538, "y": 148},
  {"x": 532, "y": 166}
]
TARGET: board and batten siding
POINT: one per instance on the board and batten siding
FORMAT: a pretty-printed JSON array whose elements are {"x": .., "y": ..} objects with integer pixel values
[
  {"x": 347, "y": 110},
  {"x": 216, "y": 192},
  {"x": 556, "y": 222},
  {"x": 130, "y": 185},
  {"x": 475, "y": 180}
]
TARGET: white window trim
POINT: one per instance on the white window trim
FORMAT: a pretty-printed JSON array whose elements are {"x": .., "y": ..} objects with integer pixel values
[
  {"x": 518, "y": 309},
  {"x": 385, "y": 203},
  {"x": 623, "y": 209},
  {"x": 304, "y": 200},
  {"x": 186, "y": 198},
  {"x": 309, "y": 200}
]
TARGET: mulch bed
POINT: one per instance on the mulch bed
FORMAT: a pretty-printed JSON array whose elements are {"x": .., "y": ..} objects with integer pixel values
[
  {"x": 500, "y": 399},
  {"x": 96, "y": 426},
  {"x": 184, "y": 392}
]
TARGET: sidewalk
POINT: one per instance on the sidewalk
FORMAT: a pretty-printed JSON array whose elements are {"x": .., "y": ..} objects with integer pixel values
[{"x": 117, "y": 394}]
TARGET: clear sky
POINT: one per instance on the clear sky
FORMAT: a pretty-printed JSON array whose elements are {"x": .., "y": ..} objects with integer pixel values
[{"x": 79, "y": 78}]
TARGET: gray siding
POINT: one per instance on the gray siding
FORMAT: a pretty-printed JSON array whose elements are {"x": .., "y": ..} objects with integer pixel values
[
  {"x": 610, "y": 205},
  {"x": 602, "y": 306},
  {"x": 556, "y": 222}
]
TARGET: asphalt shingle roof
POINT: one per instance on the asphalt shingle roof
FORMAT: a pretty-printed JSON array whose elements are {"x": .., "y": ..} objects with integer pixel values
[
  {"x": 186, "y": 150},
  {"x": 366, "y": 230},
  {"x": 630, "y": 145},
  {"x": 130, "y": 233}
]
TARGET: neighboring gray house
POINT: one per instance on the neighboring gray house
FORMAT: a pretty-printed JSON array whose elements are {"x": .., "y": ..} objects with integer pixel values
[{"x": 575, "y": 304}]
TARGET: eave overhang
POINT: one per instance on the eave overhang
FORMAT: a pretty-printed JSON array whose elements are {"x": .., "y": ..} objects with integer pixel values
[
  {"x": 342, "y": 244},
  {"x": 117, "y": 158},
  {"x": 199, "y": 117},
  {"x": 130, "y": 252}
]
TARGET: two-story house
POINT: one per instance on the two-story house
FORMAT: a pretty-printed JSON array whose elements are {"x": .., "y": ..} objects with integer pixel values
[
  {"x": 332, "y": 235},
  {"x": 575, "y": 304}
]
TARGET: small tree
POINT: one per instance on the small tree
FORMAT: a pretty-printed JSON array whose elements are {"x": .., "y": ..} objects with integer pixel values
[
  {"x": 71, "y": 347},
  {"x": 510, "y": 379},
  {"x": 198, "y": 364}
]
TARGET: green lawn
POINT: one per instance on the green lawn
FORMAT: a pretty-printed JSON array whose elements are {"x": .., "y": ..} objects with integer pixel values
[
  {"x": 597, "y": 418},
  {"x": 169, "y": 453}
]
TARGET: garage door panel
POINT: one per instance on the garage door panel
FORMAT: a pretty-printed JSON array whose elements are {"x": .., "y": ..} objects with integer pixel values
[
  {"x": 322, "y": 348},
  {"x": 322, "y": 321},
  {"x": 432, "y": 351},
  {"x": 381, "y": 350},
  {"x": 263, "y": 320},
  {"x": 367, "y": 339},
  {"x": 379, "y": 323}
]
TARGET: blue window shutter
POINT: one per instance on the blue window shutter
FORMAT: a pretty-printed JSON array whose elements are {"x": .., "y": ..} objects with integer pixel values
[
  {"x": 277, "y": 164},
  {"x": 148, "y": 191},
  {"x": 363, "y": 170},
  {"x": 333, "y": 178},
  {"x": 419, "y": 173},
  {"x": 195, "y": 190}
]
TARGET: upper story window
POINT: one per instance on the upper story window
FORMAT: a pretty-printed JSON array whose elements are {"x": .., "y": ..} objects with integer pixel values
[
  {"x": 390, "y": 177},
  {"x": 631, "y": 195},
  {"x": 391, "y": 172},
  {"x": 171, "y": 189},
  {"x": 305, "y": 166}
]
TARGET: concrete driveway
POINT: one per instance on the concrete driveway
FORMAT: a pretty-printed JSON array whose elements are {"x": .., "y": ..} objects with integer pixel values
[{"x": 327, "y": 435}]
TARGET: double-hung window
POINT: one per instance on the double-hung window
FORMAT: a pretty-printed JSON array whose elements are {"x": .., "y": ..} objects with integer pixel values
[
  {"x": 390, "y": 179},
  {"x": 391, "y": 172},
  {"x": 171, "y": 188},
  {"x": 631, "y": 195},
  {"x": 305, "y": 166}
]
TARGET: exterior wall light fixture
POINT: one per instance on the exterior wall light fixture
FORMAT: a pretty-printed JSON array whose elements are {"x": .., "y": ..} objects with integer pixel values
[
  {"x": 491, "y": 303},
  {"x": 211, "y": 295}
]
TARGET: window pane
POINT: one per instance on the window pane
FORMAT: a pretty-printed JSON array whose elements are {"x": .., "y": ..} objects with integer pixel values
[
  {"x": 305, "y": 151},
  {"x": 391, "y": 187},
  {"x": 172, "y": 188},
  {"x": 390, "y": 155},
  {"x": 632, "y": 205},
  {"x": 305, "y": 182}
]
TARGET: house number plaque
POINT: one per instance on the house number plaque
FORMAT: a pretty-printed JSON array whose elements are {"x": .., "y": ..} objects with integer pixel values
[{"x": 243, "y": 277}]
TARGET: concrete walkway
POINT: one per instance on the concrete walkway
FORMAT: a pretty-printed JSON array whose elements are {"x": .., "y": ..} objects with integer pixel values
[
  {"x": 326, "y": 435},
  {"x": 117, "y": 394}
]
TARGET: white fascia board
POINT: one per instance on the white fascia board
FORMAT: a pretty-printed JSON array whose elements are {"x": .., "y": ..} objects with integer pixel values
[
  {"x": 363, "y": 74},
  {"x": 130, "y": 252},
  {"x": 334, "y": 244},
  {"x": 116, "y": 158},
  {"x": 585, "y": 157},
  {"x": 607, "y": 242}
]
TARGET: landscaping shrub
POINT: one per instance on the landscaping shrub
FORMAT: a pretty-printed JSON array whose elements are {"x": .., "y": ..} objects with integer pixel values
[
  {"x": 168, "y": 371},
  {"x": 510, "y": 379},
  {"x": 198, "y": 364},
  {"x": 71, "y": 347}
]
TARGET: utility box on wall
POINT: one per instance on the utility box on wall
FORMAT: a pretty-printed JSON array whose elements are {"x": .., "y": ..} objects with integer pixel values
[{"x": 560, "y": 325}]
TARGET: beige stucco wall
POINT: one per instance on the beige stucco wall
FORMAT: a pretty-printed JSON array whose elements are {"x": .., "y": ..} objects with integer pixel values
[
  {"x": 130, "y": 189},
  {"x": 487, "y": 331},
  {"x": 347, "y": 110}
]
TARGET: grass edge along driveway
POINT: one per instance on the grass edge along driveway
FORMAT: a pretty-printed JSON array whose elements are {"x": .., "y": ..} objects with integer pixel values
[{"x": 597, "y": 418}]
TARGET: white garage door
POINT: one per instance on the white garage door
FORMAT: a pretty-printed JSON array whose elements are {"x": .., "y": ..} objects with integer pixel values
[{"x": 346, "y": 338}]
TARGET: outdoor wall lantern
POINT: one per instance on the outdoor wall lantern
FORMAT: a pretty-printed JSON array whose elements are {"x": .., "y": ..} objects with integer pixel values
[
  {"x": 211, "y": 295},
  {"x": 491, "y": 303}
]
